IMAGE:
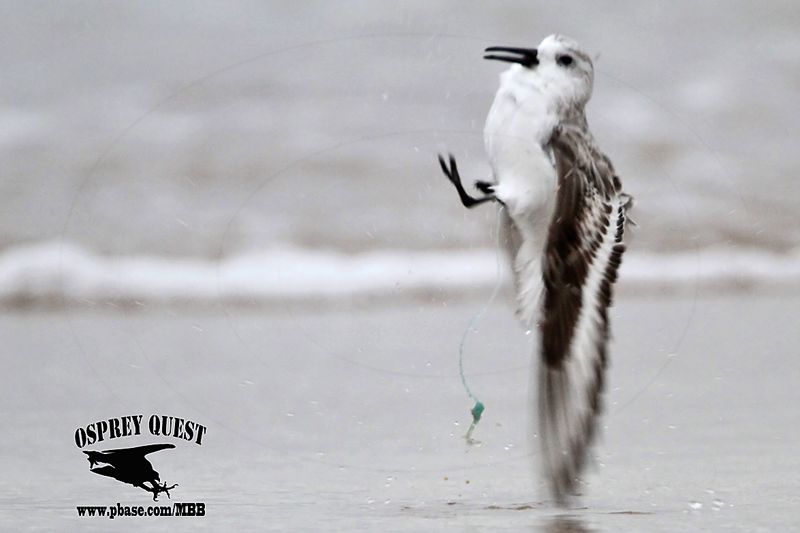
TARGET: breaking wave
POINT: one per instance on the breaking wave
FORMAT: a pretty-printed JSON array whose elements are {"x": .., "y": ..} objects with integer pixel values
[{"x": 56, "y": 272}]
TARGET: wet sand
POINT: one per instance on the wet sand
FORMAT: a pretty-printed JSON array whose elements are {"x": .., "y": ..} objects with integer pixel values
[{"x": 352, "y": 417}]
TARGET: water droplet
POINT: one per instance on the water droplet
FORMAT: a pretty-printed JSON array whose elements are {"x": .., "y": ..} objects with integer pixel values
[
  {"x": 527, "y": 332},
  {"x": 717, "y": 504},
  {"x": 695, "y": 506},
  {"x": 387, "y": 502},
  {"x": 290, "y": 414},
  {"x": 456, "y": 423}
]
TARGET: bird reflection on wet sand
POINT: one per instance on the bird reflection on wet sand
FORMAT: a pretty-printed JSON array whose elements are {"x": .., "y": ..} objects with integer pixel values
[{"x": 566, "y": 524}]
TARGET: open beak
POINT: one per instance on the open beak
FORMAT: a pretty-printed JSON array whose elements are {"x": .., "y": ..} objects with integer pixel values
[{"x": 523, "y": 56}]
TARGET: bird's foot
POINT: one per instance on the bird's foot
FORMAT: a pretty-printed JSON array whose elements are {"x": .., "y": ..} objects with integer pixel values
[{"x": 450, "y": 170}]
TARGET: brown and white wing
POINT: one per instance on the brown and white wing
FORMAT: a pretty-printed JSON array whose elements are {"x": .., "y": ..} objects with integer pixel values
[{"x": 581, "y": 257}]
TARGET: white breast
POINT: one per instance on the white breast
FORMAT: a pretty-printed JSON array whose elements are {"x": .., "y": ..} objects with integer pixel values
[{"x": 518, "y": 125}]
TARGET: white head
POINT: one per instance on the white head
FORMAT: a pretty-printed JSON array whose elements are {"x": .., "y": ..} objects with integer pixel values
[{"x": 558, "y": 68}]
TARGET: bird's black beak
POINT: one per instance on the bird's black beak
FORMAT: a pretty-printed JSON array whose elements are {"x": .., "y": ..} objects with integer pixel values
[{"x": 523, "y": 56}]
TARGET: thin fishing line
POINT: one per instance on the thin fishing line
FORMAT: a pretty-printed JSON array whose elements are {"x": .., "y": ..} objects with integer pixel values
[{"x": 478, "y": 407}]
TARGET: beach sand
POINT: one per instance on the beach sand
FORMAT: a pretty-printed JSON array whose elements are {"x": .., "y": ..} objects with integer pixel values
[{"x": 351, "y": 417}]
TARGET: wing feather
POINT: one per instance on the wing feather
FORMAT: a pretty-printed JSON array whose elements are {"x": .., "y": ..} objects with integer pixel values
[{"x": 582, "y": 254}]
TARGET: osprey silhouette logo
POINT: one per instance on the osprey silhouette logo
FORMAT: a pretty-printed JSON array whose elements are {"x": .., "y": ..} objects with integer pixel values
[{"x": 130, "y": 465}]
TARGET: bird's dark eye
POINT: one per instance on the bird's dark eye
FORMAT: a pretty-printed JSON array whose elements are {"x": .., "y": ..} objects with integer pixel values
[{"x": 565, "y": 60}]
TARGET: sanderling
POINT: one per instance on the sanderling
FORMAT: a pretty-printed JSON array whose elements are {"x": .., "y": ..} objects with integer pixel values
[{"x": 564, "y": 215}]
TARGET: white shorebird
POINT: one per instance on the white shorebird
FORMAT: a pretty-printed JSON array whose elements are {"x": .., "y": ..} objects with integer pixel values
[{"x": 564, "y": 218}]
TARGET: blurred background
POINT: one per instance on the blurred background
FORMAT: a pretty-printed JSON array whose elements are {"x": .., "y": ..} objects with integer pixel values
[{"x": 184, "y": 151}]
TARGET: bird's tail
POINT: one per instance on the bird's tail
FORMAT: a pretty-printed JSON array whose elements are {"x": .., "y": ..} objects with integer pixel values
[{"x": 566, "y": 426}]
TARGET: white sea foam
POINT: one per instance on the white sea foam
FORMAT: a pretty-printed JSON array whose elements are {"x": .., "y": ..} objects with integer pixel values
[{"x": 63, "y": 272}]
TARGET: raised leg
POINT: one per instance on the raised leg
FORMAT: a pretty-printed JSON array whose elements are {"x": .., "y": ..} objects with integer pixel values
[{"x": 468, "y": 201}]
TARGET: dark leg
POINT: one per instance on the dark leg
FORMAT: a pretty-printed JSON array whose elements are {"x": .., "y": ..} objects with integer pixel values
[{"x": 452, "y": 174}]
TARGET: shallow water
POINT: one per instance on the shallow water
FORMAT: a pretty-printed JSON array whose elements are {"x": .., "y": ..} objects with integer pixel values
[{"x": 352, "y": 417}]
